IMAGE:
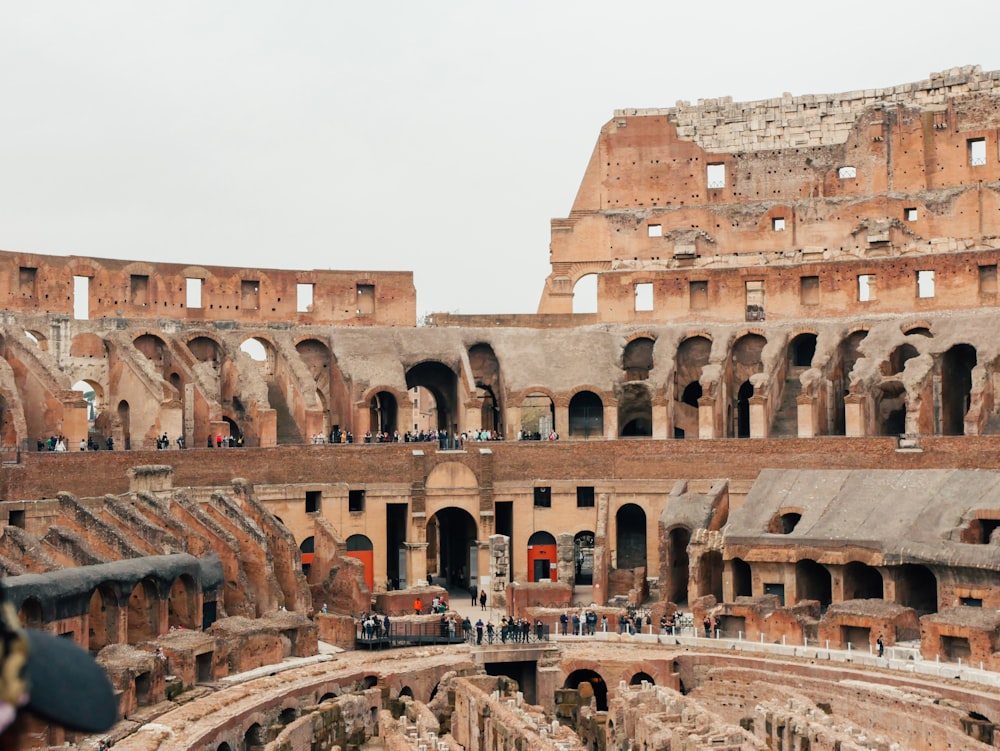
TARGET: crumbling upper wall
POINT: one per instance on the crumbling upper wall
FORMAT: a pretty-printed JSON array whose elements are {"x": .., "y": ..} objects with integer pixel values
[
  {"x": 814, "y": 120},
  {"x": 142, "y": 290}
]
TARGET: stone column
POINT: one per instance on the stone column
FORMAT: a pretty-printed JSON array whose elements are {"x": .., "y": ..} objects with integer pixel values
[
  {"x": 758, "y": 416},
  {"x": 566, "y": 558},
  {"x": 856, "y": 415},
  {"x": 511, "y": 422},
  {"x": 416, "y": 563},
  {"x": 706, "y": 418},
  {"x": 662, "y": 424},
  {"x": 806, "y": 415},
  {"x": 601, "y": 562},
  {"x": 562, "y": 419},
  {"x": 611, "y": 421},
  {"x": 500, "y": 572}
]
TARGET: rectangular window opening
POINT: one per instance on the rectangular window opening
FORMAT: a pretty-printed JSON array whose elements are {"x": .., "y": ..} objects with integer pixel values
[
  {"x": 988, "y": 279},
  {"x": 755, "y": 300},
  {"x": 925, "y": 284},
  {"x": 139, "y": 290},
  {"x": 303, "y": 298},
  {"x": 655, "y": 230},
  {"x": 366, "y": 299},
  {"x": 644, "y": 296},
  {"x": 809, "y": 290},
  {"x": 698, "y": 294},
  {"x": 81, "y": 298},
  {"x": 16, "y": 518},
  {"x": 27, "y": 277},
  {"x": 585, "y": 496},
  {"x": 192, "y": 292},
  {"x": 847, "y": 173},
  {"x": 971, "y": 602},
  {"x": 866, "y": 287},
  {"x": 250, "y": 294},
  {"x": 355, "y": 501},
  {"x": 778, "y": 224},
  {"x": 543, "y": 497},
  {"x": 977, "y": 152},
  {"x": 910, "y": 214},
  {"x": 716, "y": 176},
  {"x": 313, "y": 498}
]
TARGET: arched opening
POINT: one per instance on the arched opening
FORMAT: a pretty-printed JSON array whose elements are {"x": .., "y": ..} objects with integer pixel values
[
  {"x": 635, "y": 411},
  {"x": 742, "y": 578},
  {"x": 710, "y": 574},
  {"x": 639, "y": 678},
  {"x": 583, "y": 549},
  {"x": 801, "y": 350},
  {"x": 677, "y": 565},
  {"x": 862, "y": 582},
  {"x": 451, "y": 545},
  {"x": 143, "y": 612},
  {"x": 206, "y": 349},
  {"x": 692, "y": 356},
  {"x": 898, "y": 359},
  {"x": 102, "y": 617},
  {"x": 383, "y": 413},
  {"x": 637, "y": 359},
  {"x": 541, "y": 557},
  {"x": 956, "y": 387},
  {"x": 125, "y": 420},
  {"x": 307, "y": 549},
  {"x": 154, "y": 349},
  {"x": 747, "y": 360},
  {"x": 743, "y": 410},
  {"x": 30, "y": 614},
  {"x": 538, "y": 417},
  {"x": 361, "y": 548},
  {"x": 589, "y": 684},
  {"x": 442, "y": 383},
  {"x": 813, "y": 582},
  {"x": 630, "y": 537},
  {"x": 489, "y": 386},
  {"x": 406, "y": 691},
  {"x": 223, "y": 747},
  {"x": 917, "y": 588},
  {"x": 784, "y": 522},
  {"x": 253, "y": 738},
  {"x": 585, "y": 294},
  {"x": 181, "y": 603},
  {"x": 287, "y": 716},
  {"x": 234, "y": 430},
  {"x": 848, "y": 353},
  {"x": 892, "y": 408},
  {"x": 256, "y": 350},
  {"x": 586, "y": 415}
]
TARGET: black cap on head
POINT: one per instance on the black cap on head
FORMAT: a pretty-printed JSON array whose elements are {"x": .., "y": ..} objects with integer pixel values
[{"x": 52, "y": 677}]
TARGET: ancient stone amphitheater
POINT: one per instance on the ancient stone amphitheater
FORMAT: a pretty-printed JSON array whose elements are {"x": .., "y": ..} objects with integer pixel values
[{"x": 767, "y": 467}]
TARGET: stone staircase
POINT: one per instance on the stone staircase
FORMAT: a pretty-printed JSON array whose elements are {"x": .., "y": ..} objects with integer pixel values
[
  {"x": 288, "y": 429},
  {"x": 786, "y": 419}
]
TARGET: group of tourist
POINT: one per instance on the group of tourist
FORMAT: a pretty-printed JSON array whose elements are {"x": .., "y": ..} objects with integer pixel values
[
  {"x": 375, "y": 626},
  {"x": 527, "y": 435}
]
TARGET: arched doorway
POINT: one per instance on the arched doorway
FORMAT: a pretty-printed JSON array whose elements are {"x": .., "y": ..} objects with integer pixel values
[
  {"x": 143, "y": 612},
  {"x": 585, "y": 294},
  {"x": 639, "y": 678},
  {"x": 541, "y": 557},
  {"x": 489, "y": 386},
  {"x": 630, "y": 537},
  {"x": 742, "y": 578},
  {"x": 124, "y": 420},
  {"x": 743, "y": 410},
  {"x": 538, "y": 417},
  {"x": 956, "y": 387},
  {"x": 862, "y": 582},
  {"x": 451, "y": 545},
  {"x": 678, "y": 563},
  {"x": 583, "y": 543},
  {"x": 589, "y": 683},
  {"x": 801, "y": 350},
  {"x": 917, "y": 588},
  {"x": 361, "y": 548},
  {"x": 637, "y": 359},
  {"x": 586, "y": 415},
  {"x": 710, "y": 574},
  {"x": 442, "y": 383},
  {"x": 307, "y": 548},
  {"x": 181, "y": 603},
  {"x": 747, "y": 360},
  {"x": 635, "y": 411},
  {"x": 383, "y": 413},
  {"x": 102, "y": 618},
  {"x": 813, "y": 582}
]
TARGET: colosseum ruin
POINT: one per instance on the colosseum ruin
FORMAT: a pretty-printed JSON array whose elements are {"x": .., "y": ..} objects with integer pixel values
[{"x": 751, "y": 502}]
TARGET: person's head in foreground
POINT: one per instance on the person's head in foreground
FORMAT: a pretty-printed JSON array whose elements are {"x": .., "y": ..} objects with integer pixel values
[{"x": 50, "y": 678}]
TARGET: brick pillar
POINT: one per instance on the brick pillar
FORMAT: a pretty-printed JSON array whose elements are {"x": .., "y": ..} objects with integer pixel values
[
  {"x": 856, "y": 415},
  {"x": 759, "y": 427},
  {"x": 611, "y": 421},
  {"x": 706, "y": 418},
  {"x": 662, "y": 424},
  {"x": 806, "y": 415},
  {"x": 562, "y": 419}
]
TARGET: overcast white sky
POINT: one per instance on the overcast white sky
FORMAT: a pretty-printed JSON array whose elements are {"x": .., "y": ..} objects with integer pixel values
[{"x": 437, "y": 137}]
